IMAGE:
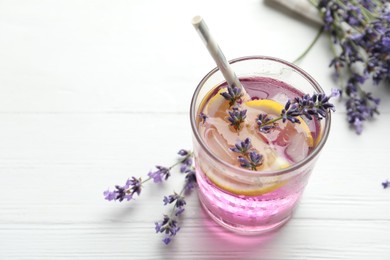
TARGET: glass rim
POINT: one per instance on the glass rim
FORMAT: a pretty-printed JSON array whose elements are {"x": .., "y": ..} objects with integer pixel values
[{"x": 287, "y": 170}]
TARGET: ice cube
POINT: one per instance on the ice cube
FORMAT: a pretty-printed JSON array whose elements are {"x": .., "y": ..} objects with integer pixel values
[
  {"x": 218, "y": 145},
  {"x": 281, "y": 98},
  {"x": 297, "y": 149}
]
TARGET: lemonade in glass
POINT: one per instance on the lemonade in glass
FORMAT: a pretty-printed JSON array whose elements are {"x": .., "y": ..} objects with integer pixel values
[{"x": 250, "y": 177}]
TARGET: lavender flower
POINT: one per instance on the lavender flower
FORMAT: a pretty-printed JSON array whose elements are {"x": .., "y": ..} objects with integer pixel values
[
  {"x": 248, "y": 157},
  {"x": 386, "y": 184},
  {"x": 134, "y": 185},
  {"x": 244, "y": 162},
  {"x": 242, "y": 147},
  {"x": 233, "y": 95},
  {"x": 185, "y": 161},
  {"x": 126, "y": 192},
  {"x": 309, "y": 106},
  {"x": 179, "y": 205},
  {"x": 169, "y": 227},
  {"x": 203, "y": 117},
  {"x": 316, "y": 105},
  {"x": 361, "y": 42},
  {"x": 265, "y": 123},
  {"x": 161, "y": 174},
  {"x": 190, "y": 180},
  {"x": 252, "y": 161},
  {"x": 237, "y": 117}
]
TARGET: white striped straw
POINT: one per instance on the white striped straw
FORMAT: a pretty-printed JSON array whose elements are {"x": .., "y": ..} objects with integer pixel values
[{"x": 229, "y": 75}]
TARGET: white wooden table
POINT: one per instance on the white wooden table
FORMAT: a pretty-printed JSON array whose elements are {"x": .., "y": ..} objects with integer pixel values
[{"x": 94, "y": 92}]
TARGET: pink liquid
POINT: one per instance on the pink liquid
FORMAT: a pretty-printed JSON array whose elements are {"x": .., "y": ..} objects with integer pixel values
[{"x": 254, "y": 213}]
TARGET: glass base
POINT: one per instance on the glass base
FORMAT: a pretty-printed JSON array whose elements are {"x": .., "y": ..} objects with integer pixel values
[{"x": 245, "y": 230}]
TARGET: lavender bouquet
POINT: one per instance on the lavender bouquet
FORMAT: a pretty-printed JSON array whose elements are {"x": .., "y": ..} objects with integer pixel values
[
  {"x": 359, "y": 33},
  {"x": 360, "y": 40}
]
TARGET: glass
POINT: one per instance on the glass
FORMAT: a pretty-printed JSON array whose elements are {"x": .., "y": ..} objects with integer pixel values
[{"x": 225, "y": 190}]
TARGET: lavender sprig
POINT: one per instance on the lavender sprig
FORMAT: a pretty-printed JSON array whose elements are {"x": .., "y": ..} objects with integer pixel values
[
  {"x": 386, "y": 184},
  {"x": 309, "y": 106},
  {"x": 248, "y": 158},
  {"x": 134, "y": 185},
  {"x": 236, "y": 117},
  {"x": 360, "y": 34},
  {"x": 233, "y": 95},
  {"x": 169, "y": 225}
]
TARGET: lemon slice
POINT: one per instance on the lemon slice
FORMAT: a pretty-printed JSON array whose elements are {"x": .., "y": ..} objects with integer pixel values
[
  {"x": 274, "y": 108},
  {"x": 217, "y": 105}
]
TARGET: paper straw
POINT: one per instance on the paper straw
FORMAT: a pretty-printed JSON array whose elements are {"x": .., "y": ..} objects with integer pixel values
[{"x": 216, "y": 53}]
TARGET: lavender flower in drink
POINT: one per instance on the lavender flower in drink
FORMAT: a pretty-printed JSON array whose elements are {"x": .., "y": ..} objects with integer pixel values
[
  {"x": 203, "y": 117},
  {"x": 236, "y": 117},
  {"x": 242, "y": 146},
  {"x": 386, "y": 184},
  {"x": 248, "y": 158},
  {"x": 263, "y": 121},
  {"x": 308, "y": 106},
  {"x": 233, "y": 95}
]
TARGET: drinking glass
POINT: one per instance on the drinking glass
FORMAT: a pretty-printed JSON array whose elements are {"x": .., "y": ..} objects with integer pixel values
[{"x": 278, "y": 191}]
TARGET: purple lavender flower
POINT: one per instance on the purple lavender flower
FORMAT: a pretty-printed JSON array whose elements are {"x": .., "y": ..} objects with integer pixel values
[
  {"x": 174, "y": 197},
  {"x": 244, "y": 162},
  {"x": 161, "y": 174},
  {"x": 248, "y": 157},
  {"x": 361, "y": 31},
  {"x": 169, "y": 227},
  {"x": 186, "y": 161},
  {"x": 316, "y": 105},
  {"x": 233, "y": 95},
  {"x": 242, "y": 146},
  {"x": 256, "y": 159},
  {"x": 361, "y": 107},
  {"x": 386, "y": 184},
  {"x": 252, "y": 161},
  {"x": 236, "y": 117},
  {"x": 126, "y": 192},
  {"x": 203, "y": 117},
  {"x": 265, "y": 123},
  {"x": 190, "y": 181},
  {"x": 133, "y": 186},
  {"x": 183, "y": 152}
]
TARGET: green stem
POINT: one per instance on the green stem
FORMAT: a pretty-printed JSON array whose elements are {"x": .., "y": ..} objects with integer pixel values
[
  {"x": 314, "y": 3},
  {"x": 320, "y": 31},
  {"x": 271, "y": 121},
  {"x": 182, "y": 160},
  {"x": 190, "y": 154}
]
